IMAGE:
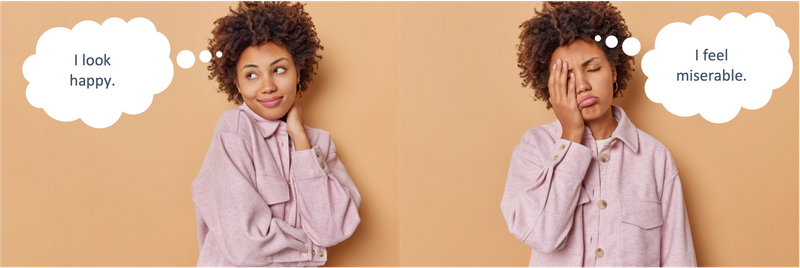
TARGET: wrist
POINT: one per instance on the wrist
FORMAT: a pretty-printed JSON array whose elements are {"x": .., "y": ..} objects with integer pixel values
[
  {"x": 296, "y": 130},
  {"x": 572, "y": 135},
  {"x": 300, "y": 140}
]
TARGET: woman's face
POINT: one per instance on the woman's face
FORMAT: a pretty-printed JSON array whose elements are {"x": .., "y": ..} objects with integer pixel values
[
  {"x": 267, "y": 79},
  {"x": 594, "y": 77}
]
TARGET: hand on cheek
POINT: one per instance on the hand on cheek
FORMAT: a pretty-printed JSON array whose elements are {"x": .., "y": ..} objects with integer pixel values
[
  {"x": 561, "y": 86},
  {"x": 297, "y": 131}
]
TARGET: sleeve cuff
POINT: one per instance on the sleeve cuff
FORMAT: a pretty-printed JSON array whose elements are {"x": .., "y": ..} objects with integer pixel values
[
  {"x": 560, "y": 149},
  {"x": 309, "y": 164}
]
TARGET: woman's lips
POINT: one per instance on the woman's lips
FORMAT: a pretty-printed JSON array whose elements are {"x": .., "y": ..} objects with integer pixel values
[
  {"x": 587, "y": 101},
  {"x": 271, "y": 102}
]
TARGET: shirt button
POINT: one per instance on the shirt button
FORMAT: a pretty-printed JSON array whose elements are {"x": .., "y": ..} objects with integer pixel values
[
  {"x": 612, "y": 143},
  {"x": 318, "y": 154},
  {"x": 555, "y": 158},
  {"x": 598, "y": 252},
  {"x": 561, "y": 147},
  {"x": 321, "y": 254},
  {"x": 604, "y": 158},
  {"x": 602, "y": 204},
  {"x": 322, "y": 165},
  {"x": 313, "y": 253},
  {"x": 288, "y": 182}
]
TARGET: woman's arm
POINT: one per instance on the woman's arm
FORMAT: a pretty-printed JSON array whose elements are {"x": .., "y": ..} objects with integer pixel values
[
  {"x": 238, "y": 218},
  {"x": 543, "y": 191},
  {"x": 326, "y": 196},
  {"x": 677, "y": 248},
  {"x": 543, "y": 188}
]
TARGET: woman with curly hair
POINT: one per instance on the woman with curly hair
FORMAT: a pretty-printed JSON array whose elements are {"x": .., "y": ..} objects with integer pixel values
[
  {"x": 271, "y": 191},
  {"x": 590, "y": 189}
]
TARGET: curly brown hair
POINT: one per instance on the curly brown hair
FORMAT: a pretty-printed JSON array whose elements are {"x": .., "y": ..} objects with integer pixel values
[
  {"x": 256, "y": 23},
  {"x": 560, "y": 23}
]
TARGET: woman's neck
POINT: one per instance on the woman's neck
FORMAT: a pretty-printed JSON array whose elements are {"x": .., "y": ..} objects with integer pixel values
[{"x": 602, "y": 127}]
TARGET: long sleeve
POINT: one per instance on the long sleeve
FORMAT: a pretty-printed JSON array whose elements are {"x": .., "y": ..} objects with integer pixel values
[
  {"x": 543, "y": 189},
  {"x": 327, "y": 198},
  {"x": 238, "y": 218},
  {"x": 677, "y": 248}
]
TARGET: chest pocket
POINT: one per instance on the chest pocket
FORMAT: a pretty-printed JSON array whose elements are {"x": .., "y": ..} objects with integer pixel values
[
  {"x": 644, "y": 214},
  {"x": 273, "y": 189}
]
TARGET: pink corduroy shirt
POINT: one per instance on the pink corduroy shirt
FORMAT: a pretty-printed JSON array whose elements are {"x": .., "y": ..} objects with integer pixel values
[
  {"x": 261, "y": 203},
  {"x": 623, "y": 207}
]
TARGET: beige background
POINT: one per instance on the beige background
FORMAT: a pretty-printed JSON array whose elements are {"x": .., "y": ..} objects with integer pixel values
[{"x": 424, "y": 103}]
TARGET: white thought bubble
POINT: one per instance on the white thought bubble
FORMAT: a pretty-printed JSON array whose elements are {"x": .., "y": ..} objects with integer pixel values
[
  {"x": 96, "y": 72},
  {"x": 716, "y": 67}
]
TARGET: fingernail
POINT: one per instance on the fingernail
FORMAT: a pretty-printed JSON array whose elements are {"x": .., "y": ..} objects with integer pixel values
[
  {"x": 558, "y": 62},
  {"x": 554, "y": 66}
]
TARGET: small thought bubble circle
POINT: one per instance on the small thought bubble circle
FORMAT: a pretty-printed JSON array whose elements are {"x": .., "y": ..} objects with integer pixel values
[
  {"x": 597, "y": 38},
  {"x": 631, "y": 46},
  {"x": 185, "y": 59},
  {"x": 219, "y": 54},
  {"x": 205, "y": 56},
  {"x": 611, "y": 41}
]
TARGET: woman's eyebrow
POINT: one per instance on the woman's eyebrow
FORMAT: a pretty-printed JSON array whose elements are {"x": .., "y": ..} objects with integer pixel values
[
  {"x": 589, "y": 61},
  {"x": 278, "y": 60},
  {"x": 249, "y": 66},
  {"x": 256, "y": 66},
  {"x": 585, "y": 63}
]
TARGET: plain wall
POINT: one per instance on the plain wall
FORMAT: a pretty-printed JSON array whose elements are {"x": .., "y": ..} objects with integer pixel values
[{"x": 424, "y": 103}]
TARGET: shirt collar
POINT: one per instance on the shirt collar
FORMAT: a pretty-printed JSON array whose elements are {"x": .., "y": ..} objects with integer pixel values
[
  {"x": 625, "y": 131},
  {"x": 267, "y": 127}
]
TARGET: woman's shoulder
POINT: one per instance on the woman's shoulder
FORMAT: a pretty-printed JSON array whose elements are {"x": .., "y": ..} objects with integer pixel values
[
  {"x": 652, "y": 148},
  {"x": 234, "y": 120},
  {"x": 648, "y": 143}
]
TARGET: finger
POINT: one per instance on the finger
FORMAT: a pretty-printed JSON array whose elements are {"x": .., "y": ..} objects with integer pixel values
[
  {"x": 551, "y": 79},
  {"x": 551, "y": 83},
  {"x": 297, "y": 113},
  {"x": 564, "y": 78},
  {"x": 571, "y": 94},
  {"x": 560, "y": 86},
  {"x": 292, "y": 112}
]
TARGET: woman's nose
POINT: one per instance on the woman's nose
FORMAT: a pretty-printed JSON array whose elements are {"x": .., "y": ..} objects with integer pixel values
[
  {"x": 268, "y": 85},
  {"x": 581, "y": 84}
]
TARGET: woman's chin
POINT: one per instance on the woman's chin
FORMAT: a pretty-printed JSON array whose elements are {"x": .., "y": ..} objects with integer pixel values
[
  {"x": 272, "y": 114},
  {"x": 590, "y": 113},
  {"x": 593, "y": 112}
]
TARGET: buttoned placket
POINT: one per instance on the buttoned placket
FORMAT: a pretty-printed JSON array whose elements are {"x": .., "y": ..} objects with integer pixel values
[
  {"x": 595, "y": 246},
  {"x": 285, "y": 151},
  {"x": 593, "y": 211},
  {"x": 289, "y": 148},
  {"x": 601, "y": 204}
]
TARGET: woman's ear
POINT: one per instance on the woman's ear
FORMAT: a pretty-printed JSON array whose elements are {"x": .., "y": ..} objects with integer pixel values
[{"x": 614, "y": 74}]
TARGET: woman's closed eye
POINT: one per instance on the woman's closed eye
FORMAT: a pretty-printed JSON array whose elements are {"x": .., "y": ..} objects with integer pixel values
[{"x": 594, "y": 70}]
